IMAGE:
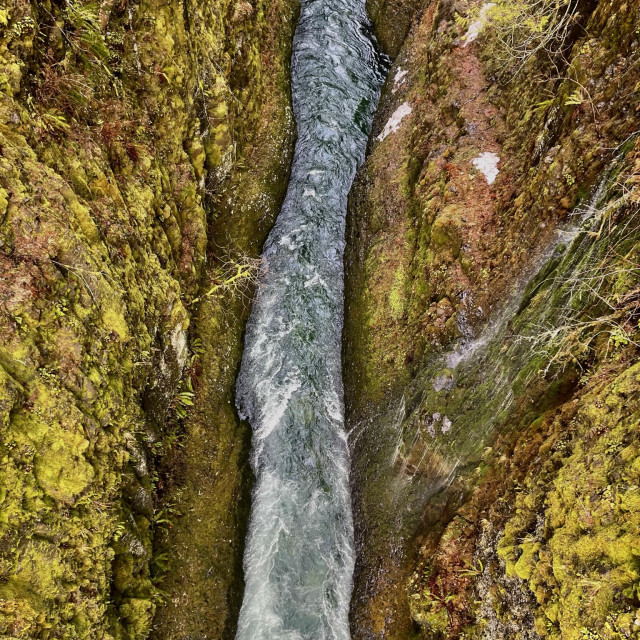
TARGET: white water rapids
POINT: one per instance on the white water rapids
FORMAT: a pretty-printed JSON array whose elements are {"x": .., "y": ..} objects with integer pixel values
[{"x": 299, "y": 555}]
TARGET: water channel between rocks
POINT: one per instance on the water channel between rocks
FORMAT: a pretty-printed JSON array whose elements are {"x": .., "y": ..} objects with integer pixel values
[{"x": 299, "y": 555}]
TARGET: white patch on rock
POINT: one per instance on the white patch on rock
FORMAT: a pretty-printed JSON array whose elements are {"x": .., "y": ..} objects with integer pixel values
[
  {"x": 430, "y": 424},
  {"x": 394, "y": 121},
  {"x": 443, "y": 382},
  {"x": 179, "y": 344},
  {"x": 446, "y": 424},
  {"x": 399, "y": 79},
  {"x": 476, "y": 27},
  {"x": 487, "y": 162}
]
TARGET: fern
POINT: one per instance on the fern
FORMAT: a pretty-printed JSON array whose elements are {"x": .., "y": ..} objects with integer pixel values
[
  {"x": 576, "y": 98},
  {"x": 87, "y": 36}
]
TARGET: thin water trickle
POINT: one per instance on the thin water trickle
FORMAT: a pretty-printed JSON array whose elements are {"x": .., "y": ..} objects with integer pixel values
[
  {"x": 445, "y": 418},
  {"x": 299, "y": 555},
  {"x": 469, "y": 346}
]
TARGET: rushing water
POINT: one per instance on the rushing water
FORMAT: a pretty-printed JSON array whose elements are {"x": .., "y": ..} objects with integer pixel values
[{"x": 299, "y": 555}]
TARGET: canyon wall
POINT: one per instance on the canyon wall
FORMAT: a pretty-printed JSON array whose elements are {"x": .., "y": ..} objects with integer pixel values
[
  {"x": 491, "y": 330},
  {"x": 145, "y": 148},
  {"x": 491, "y": 333}
]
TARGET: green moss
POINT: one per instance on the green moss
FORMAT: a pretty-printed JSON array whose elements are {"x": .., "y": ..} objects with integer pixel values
[
  {"x": 60, "y": 467},
  {"x": 138, "y": 615},
  {"x": 396, "y": 295},
  {"x": 525, "y": 565},
  {"x": 108, "y": 154},
  {"x": 445, "y": 233}
]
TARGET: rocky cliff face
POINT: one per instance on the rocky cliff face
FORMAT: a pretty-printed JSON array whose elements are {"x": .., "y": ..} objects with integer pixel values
[
  {"x": 494, "y": 423},
  {"x": 491, "y": 363},
  {"x": 144, "y": 150}
]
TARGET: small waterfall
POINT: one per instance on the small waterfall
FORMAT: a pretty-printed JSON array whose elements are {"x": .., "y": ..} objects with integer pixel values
[
  {"x": 299, "y": 555},
  {"x": 461, "y": 397},
  {"x": 516, "y": 346}
]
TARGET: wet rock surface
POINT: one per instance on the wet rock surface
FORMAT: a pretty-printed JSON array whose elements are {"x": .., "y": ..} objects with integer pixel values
[{"x": 438, "y": 257}]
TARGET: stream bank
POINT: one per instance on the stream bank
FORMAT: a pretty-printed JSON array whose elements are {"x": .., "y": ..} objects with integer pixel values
[
  {"x": 206, "y": 478},
  {"x": 144, "y": 146}
]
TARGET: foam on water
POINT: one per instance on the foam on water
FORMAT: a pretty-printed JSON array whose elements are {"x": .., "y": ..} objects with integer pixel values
[{"x": 299, "y": 556}]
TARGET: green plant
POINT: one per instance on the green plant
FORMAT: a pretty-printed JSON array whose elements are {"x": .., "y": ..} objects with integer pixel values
[
  {"x": 174, "y": 438},
  {"x": 619, "y": 337},
  {"x": 165, "y": 517},
  {"x": 120, "y": 529},
  {"x": 161, "y": 562},
  {"x": 184, "y": 398},
  {"x": 232, "y": 276},
  {"x": 472, "y": 571},
  {"x": 576, "y": 98},
  {"x": 85, "y": 35}
]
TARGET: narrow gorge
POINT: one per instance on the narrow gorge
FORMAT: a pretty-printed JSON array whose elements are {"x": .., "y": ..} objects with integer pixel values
[{"x": 319, "y": 320}]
